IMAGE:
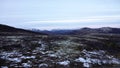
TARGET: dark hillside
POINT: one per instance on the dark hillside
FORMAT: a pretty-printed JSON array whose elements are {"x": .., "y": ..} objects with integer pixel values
[{"x": 8, "y": 30}]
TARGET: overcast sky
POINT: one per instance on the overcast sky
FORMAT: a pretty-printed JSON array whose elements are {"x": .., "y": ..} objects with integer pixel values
[{"x": 60, "y": 14}]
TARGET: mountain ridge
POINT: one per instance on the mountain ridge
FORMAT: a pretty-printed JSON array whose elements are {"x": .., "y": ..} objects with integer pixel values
[
  {"x": 9, "y": 30},
  {"x": 5, "y": 29},
  {"x": 82, "y": 31}
]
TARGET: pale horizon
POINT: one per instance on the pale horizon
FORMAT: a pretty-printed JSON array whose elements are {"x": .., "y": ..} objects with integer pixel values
[{"x": 63, "y": 14}]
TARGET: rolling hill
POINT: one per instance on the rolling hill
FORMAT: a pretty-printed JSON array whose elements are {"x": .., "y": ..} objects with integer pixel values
[
  {"x": 83, "y": 31},
  {"x": 8, "y": 30}
]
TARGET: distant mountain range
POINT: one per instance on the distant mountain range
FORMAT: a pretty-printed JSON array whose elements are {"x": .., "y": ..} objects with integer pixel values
[
  {"x": 8, "y": 30},
  {"x": 104, "y": 30},
  {"x": 82, "y": 31}
]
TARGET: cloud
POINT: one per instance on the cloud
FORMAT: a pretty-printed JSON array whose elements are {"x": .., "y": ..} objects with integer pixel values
[
  {"x": 81, "y": 20},
  {"x": 78, "y": 26},
  {"x": 64, "y": 21},
  {"x": 94, "y": 22}
]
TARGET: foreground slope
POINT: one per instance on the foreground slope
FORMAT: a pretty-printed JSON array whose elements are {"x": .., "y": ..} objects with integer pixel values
[
  {"x": 90, "y": 51},
  {"x": 93, "y": 50}
]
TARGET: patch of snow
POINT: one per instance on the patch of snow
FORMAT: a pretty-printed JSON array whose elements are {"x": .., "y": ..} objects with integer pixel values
[
  {"x": 43, "y": 52},
  {"x": 43, "y": 65},
  {"x": 116, "y": 61},
  {"x": 93, "y": 57},
  {"x": 110, "y": 57},
  {"x": 80, "y": 59},
  {"x": 64, "y": 62},
  {"x": 4, "y": 67},
  {"x": 32, "y": 57},
  {"x": 90, "y": 53},
  {"x": 52, "y": 55},
  {"x": 88, "y": 61},
  {"x": 26, "y": 65},
  {"x": 112, "y": 61},
  {"x": 87, "y": 65},
  {"x": 27, "y": 57},
  {"x": 95, "y": 61},
  {"x": 104, "y": 61},
  {"x": 93, "y": 52},
  {"x": 17, "y": 60},
  {"x": 43, "y": 46},
  {"x": 11, "y": 56},
  {"x": 14, "y": 53}
]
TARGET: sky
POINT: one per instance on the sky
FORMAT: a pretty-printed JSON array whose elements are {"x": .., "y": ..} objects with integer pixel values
[{"x": 60, "y": 14}]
